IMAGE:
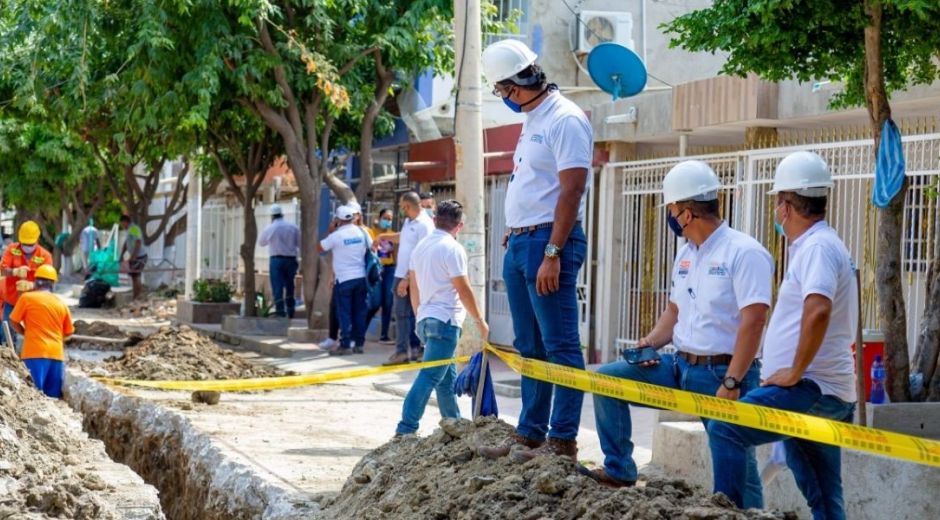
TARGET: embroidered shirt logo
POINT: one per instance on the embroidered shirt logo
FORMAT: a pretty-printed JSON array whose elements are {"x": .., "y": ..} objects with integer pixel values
[
  {"x": 537, "y": 138},
  {"x": 684, "y": 266},
  {"x": 717, "y": 269}
]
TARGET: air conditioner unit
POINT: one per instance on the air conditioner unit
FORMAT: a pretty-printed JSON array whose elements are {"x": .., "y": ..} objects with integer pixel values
[{"x": 596, "y": 27}]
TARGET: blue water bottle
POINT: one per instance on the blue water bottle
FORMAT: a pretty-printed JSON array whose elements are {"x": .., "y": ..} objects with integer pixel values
[{"x": 877, "y": 382}]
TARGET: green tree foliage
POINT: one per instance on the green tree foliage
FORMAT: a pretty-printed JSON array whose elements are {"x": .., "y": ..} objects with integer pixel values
[{"x": 874, "y": 48}]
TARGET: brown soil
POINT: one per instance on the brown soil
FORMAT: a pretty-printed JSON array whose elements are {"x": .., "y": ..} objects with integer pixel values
[
  {"x": 102, "y": 329},
  {"x": 180, "y": 353},
  {"x": 441, "y": 477},
  {"x": 46, "y": 467}
]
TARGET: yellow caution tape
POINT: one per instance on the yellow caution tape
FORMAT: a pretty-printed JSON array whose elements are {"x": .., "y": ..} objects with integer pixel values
[
  {"x": 272, "y": 383},
  {"x": 791, "y": 424}
]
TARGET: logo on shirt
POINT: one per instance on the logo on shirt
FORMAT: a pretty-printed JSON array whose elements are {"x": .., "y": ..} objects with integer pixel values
[
  {"x": 716, "y": 269},
  {"x": 536, "y": 138},
  {"x": 351, "y": 241},
  {"x": 684, "y": 266}
]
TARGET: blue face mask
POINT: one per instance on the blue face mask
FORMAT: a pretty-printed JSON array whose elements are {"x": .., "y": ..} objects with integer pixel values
[
  {"x": 674, "y": 224},
  {"x": 778, "y": 226},
  {"x": 429, "y": 212},
  {"x": 385, "y": 223},
  {"x": 515, "y": 107}
]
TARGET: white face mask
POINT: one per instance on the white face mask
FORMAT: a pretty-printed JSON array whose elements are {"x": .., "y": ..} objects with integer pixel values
[{"x": 28, "y": 249}]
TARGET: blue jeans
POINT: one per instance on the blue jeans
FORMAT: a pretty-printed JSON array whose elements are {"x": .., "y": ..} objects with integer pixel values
[
  {"x": 614, "y": 425},
  {"x": 283, "y": 269},
  {"x": 7, "y": 309},
  {"x": 546, "y": 328},
  {"x": 440, "y": 341},
  {"x": 47, "y": 374},
  {"x": 386, "y": 301},
  {"x": 816, "y": 467},
  {"x": 404, "y": 322},
  {"x": 352, "y": 306}
]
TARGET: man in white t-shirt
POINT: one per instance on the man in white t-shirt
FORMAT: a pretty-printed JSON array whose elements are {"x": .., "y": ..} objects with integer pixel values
[
  {"x": 545, "y": 245},
  {"x": 441, "y": 296},
  {"x": 808, "y": 364},
  {"x": 418, "y": 225},
  {"x": 721, "y": 291},
  {"x": 349, "y": 243}
]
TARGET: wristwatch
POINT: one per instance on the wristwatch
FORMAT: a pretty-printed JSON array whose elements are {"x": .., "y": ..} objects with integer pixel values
[
  {"x": 552, "y": 251},
  {"x": 731, "y": 383}
]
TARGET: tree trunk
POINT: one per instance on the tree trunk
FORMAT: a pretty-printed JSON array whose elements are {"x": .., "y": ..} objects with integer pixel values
[
  {"x": 928, "y": 347},
  {"x": 248, "y": 248},
  {"x": 889, "y": 268},
  {"x": 383, "y": 80}
]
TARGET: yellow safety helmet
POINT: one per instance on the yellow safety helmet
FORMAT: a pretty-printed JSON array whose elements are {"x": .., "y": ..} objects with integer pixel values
[
  {"x": 29, "y": 233},
  {"x": 47, "y": 272}
]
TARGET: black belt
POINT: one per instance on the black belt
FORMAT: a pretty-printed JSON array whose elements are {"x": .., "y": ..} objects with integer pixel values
[
  {"x": 283, "y": 256},
  {"x": 536, "y": 227},
  {"x": 693, "y": 359}
]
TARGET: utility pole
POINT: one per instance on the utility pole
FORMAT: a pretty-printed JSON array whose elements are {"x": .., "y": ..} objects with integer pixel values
[
  {"x": 193, "y": 229},
  {"x": 468, "y": 143}
]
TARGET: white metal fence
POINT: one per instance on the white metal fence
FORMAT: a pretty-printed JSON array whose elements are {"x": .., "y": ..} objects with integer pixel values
[
  {"x": 223, "y": 227},
  {"x": 636, "y": 250}
]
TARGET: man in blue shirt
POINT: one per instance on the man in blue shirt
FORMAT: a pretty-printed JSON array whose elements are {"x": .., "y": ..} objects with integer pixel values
[{"x": 283, "y": 241}]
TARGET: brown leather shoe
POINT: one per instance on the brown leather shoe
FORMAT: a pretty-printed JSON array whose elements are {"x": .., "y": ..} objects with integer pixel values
[
  {"x": 552, "y": 447},
  {"x": 398, "y": 358},
  {"x": 601, "y": 476},
  {"x": 504, "y": 448}
]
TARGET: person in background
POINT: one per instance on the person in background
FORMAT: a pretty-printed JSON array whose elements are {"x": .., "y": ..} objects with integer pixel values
[
  {"x": 427, "y": 203},
  {"x": 385, "y": 250},
  {"x": 349, "y": 243},
  {"x": 88, "y": 242},
  {"x": 807, "y": 351},
  {"x": 136, "y": 253},
  {"x": 417, "y": 226},
  {"x": 19, "y": 264},
  {"x": 442, "y": 297},
  {"x": 283, "y": 241},
  {"x": 45, "y": 322}
]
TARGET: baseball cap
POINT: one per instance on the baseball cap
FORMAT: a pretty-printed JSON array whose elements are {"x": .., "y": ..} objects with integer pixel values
[{"x": 345, "y": 213}]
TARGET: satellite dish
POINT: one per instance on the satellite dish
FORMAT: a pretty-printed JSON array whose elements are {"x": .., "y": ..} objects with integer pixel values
[{"x": 617, "y": 70}]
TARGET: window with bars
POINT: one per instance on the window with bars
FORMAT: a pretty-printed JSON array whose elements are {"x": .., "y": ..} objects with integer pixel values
[{"x": 515, "y": 10}]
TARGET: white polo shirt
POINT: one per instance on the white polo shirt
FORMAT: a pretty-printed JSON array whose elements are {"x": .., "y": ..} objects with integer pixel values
[
  {"x": 411, "y": 233},
  {"x": 556, "y": 136},
  {"x": 819, "y": 263},
  {"x": 710, "y": 286},
  {"x": 436, "y": 261},
  {"x": 348, "y": 243}
]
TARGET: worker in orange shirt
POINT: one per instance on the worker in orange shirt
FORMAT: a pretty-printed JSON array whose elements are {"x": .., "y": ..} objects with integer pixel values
[
  {"x": 19, "y": 264},
  {"x": 45, "y": 322}
]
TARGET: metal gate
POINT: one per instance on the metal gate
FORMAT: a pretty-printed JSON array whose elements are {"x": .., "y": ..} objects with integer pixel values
[
  {"x": 635, "y": 250},
  {"x": 498, "y": 314}
]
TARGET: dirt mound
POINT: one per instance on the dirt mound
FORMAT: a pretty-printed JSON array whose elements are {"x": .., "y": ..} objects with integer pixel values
[
  {"x": 441, "y": 477},
  {"x": 180, "y": 353},
  {"x": 44, "y": 464},
  {"x": 101, "y": 329}
]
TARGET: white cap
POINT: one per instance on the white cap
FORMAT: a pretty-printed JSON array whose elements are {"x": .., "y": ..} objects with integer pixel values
[
  {"x": 276, "y": 209},
  {"x": 344, "y": 213},
  {"x": 506, "y": 58},
  {"x": 804, "y": 173},
  {"x": 690, "y": 180},
  {"x": 353, "y": 205}
]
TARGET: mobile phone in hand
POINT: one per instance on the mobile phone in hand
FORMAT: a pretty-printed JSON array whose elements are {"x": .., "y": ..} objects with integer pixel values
[{"x": 636, "y": 356}]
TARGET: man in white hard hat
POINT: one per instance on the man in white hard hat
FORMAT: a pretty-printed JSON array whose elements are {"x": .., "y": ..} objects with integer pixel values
[
  {"x": 349, "y": 243},
  {"x": 283, "y": 241},
  {"x": 718, "y": 302},
  {"x": 545, "y": 245},
  {"x": 807, "y": 355}
]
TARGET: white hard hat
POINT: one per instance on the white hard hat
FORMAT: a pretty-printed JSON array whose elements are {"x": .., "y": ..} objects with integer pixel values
[
  {"x": 353, "y": 205},
  {"x": 344, "y": 213},
  {"x": 276, "y": 209},
  {"x": 804, "y": 173},
  {"x": 690, "y": 180},
  {"x": 506, "y": 58}
]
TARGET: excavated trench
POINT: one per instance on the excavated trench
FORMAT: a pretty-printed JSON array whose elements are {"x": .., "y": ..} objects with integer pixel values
[{"x": 195, "y": 478}]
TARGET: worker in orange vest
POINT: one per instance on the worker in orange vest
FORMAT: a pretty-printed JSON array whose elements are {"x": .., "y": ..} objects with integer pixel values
[
  {"x": 18, "y": 266},
  {"x": 45, "y": 322}
]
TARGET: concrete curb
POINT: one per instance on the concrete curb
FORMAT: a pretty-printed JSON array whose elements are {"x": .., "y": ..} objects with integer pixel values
[
  {"x": 214, "y": 482},
  {"x": 245, "y": 343}
]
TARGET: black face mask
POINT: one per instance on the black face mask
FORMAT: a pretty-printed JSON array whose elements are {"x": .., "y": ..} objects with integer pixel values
[{"x": 674, "y": 224}]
